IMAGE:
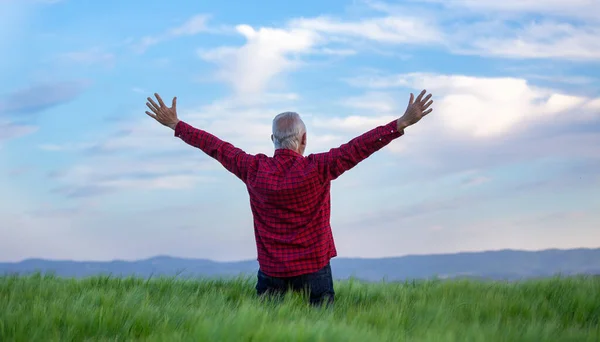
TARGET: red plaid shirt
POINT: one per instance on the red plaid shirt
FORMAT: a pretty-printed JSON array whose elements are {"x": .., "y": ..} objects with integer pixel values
[{"x": 289, "y": 195}]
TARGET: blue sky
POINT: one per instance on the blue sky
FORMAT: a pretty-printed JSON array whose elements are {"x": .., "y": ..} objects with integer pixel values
[{"x": 510, "y": 157}]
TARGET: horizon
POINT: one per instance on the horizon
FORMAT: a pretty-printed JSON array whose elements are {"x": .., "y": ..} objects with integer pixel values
[
  {"x": 346, "y": 258},
  {"x": 507, "y": 160}
]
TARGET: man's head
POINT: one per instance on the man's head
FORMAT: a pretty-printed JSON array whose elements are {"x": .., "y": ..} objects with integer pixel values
[{"x": 289, "y": 132}]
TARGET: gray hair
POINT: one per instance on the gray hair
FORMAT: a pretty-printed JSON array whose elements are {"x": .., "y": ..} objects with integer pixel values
[{"x": 288, "y": 129}]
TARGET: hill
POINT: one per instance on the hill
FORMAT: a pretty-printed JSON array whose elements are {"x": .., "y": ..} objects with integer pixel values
[
  {"x": 495, "y": 265},
  {"x": 39, "y": 308}
]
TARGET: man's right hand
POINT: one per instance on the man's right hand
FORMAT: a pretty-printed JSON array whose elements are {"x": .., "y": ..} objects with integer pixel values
[
  {"x": 415, "y": 111},
  {"x": 163, "y": 114}
]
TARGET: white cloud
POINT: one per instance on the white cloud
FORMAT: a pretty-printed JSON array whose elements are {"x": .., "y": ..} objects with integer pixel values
[
  {"x": 65, "y": 147},
  {"x": 194, "y": 25},
  {"x": 476, "y": 181},
  {"x": 269, "y": 52},
  {"x": 354, "y": 123},
  {"x": 145, "y": 155},
  {"x": 250, "y": 69},
  {"x": 578, "y": 8},
  {"x": 560, "y": 29},
  {"x": 254, "y": 67},
  {"x": 90, "y": 57},
  {"x": 171, "y": 182},
  {"x": 482, "y": 107},
  {"x": 91, "y": 177},
  {"x": 10, "y": 130},
  {"x": 336, "y": 52},
  {"x": 377, "y": 102},
  {"x": 538, "y": 40},
  {"x": 593, "y": 105},
  {"x": 249, "y": 125},
  {"x": 391, "y": 29},
  {"x": 346, "y": 128}
]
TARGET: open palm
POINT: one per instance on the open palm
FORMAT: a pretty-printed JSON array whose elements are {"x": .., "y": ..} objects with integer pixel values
[
  {"x": 416, "y": 109},
  {"x": 161, "y": 113}
]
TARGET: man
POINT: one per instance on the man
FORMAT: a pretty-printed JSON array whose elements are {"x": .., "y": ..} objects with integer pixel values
[{"x": 289, "y": 193}]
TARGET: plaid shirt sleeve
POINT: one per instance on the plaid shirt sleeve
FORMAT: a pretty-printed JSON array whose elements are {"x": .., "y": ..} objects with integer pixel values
[
  {"x": 232, "y": 158},
  {"x": 338, "y": 160}
]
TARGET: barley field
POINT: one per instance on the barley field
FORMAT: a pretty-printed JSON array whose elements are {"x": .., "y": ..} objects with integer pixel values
[{"x": 47, "y": 308}]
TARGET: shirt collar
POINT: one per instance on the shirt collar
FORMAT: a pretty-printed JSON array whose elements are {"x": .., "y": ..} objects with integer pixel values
[{"x": 286, "y": 152}]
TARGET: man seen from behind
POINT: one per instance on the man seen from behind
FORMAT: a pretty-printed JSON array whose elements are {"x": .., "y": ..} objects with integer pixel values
[{"x": 290, "y": 193}]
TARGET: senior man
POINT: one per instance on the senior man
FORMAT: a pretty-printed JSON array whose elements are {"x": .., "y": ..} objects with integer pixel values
[{"x": 290, "y": 193}]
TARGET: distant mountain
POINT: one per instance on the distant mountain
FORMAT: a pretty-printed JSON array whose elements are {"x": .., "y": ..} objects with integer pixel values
[{"x": 493, "y": 265}]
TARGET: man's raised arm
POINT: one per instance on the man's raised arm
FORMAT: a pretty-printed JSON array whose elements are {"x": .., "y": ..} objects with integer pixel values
[
  {"x": 232, "y": 158},
  {"x": 338, "y": 160}
]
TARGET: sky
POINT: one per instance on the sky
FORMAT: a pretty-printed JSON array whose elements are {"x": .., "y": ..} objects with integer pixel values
[{"x": 508, "y": 159}]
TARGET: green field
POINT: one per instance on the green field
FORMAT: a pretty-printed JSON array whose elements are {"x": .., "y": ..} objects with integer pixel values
[{"x": 45, "y": 308}]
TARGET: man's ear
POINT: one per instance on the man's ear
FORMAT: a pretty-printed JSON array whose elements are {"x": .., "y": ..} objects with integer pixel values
[
  {"x": 304, "y": 138},
  {"x": 272, "y": 139}
]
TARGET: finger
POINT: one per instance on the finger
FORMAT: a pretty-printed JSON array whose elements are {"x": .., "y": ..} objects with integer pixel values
[
  {"x": 153, "y": 103},
  {"x": 160, "y": 101},
  {"x": 427, "y": 105},
  {"x": 151, "y": 115},
  {"x": 420, "y": 96},
  {"x": 411, "y": 100},
  {"x": 427, "y": 111},
  {"x": 174, "y": 105},
  {"x": 426, "y": 98},
  {"x": 152, "y": 108}
]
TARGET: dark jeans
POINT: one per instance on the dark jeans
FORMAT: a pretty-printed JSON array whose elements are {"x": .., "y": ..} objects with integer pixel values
[{"x": 318, "y": 286}]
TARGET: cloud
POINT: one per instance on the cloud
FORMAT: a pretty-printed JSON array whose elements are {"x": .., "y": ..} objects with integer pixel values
[
  {"x": 353, "y": 123},
  {"x": 93, "y": 56},
  {"x": 390, "y": 29},
  {"x": 538, "y": 40},
  {"x": 576, "y": 8},
  {"x": 477, "y": 123},
  {"x": 19, "y": 171},
  {"x": 145, "y": 155},
  {"x": 130, "y": 171},
  {"x": 98, "y": 184},
  {"x": 38, "y": 98},
  {"x": 269, "y": 52},
  {"x": 486, "y": 107},
  {"x": 250, "y": 69},
  {"x": 547, "y": 29},
  {"x": 457, "y": 201},
  {"x": 249, "y": 124},
  {"x": 10, "y": 130},
  {"x": 336, "y": 52},
  {"x": 476, "y": 181},
  {"x": 574, "y": 80},
  {"x": 377, "y": 102},
  {"x": 583, "y": 173},
  {"x": 194, "y": 25},
  {"x": 66, "y": 147},
  {"x": 593, "y": 105}
]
